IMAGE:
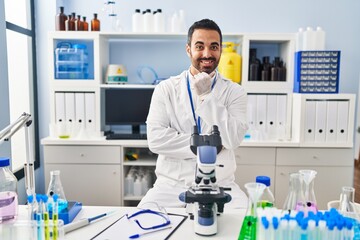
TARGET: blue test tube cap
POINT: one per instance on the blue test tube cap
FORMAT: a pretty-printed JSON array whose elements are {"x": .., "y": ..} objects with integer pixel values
[
  {"x": 304, "y": 223},
  {"x": 265, "y": 222},
  {"x": 286, "y": 217},
  {"x": 349, "y": 223},
  {"x": 275, "y": 222},
  {"x": 30, "y": 199},
  {"x": 38, "y": 198},
  {"x": 55, "y": 197},
  {"x": 45, "y": 198}
]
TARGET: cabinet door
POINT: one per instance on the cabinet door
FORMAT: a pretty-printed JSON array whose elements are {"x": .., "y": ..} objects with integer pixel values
[
  {"x": 328, "y": 183},
  {"x": 91, "y": 184}
]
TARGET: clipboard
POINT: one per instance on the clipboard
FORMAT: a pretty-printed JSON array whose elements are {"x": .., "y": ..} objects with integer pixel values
[{"x": 123, "y": 228}]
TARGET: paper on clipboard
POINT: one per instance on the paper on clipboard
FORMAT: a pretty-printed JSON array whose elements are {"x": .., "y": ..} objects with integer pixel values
[{"x": 123, "y": 228}]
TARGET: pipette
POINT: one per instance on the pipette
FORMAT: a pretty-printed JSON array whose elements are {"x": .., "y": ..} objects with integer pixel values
[{"x": 83, "y": 222}]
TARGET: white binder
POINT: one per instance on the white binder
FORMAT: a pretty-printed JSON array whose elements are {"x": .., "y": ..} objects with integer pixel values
[
  {"x": 271, "y": 112},
  {"x": 331, "y": 121},
  {"x": 261, "y": 116},
  {"x": 60, "y": 107},
  {"x": 309, "y": 125},
  {"x": 281, "y": 116},
  {"x": 70, "y": 107},
  {"x": 80, "y": 109},
  {"x": 90, "y": 112},
  {"x": 342, "y": 121},
  {"x": 251, "y": 117},
  {"x": 320, "y": 123}
]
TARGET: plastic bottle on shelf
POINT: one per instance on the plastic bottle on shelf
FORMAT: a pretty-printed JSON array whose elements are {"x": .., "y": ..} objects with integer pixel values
[
  {"x": 159, "y": 21},
  {"x": 267, "y": 199},
  {"x": 320, "y": 39},
  {"x": 138, "y": 187},
  {"x": 299, "y": 40},
  {"x": 175, "y": 23},
  {"x": 254, "y": 66},
  {"x": 137, "y": 21},
  {"x": 148, "y": 22},
  {"x": 230, "y": 62},
  {"x": 129, "y": 185},
  {"x": 309, "y": 39},
  {"x": 8, "y": 191},
  {"x": 182, "y": 24},
  {"x": 95, "y": 23},
  {"x": 60, "y": 19}
]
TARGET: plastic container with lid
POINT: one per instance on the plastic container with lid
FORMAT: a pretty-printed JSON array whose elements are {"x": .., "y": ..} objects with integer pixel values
[
  {"x": 267, "y": 199},
  {"x": 8, "y": 191}
]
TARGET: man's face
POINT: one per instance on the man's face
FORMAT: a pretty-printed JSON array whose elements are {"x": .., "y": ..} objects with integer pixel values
[{"x": 204, "y": 51}]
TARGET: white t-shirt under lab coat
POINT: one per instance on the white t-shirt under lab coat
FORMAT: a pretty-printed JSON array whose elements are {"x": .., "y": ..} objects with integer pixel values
[{"x": 169, "y": 126}]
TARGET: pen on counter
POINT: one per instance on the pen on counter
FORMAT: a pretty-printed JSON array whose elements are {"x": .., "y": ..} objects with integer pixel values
[
  {"x": 83, "y": 222},
  {"x": 144, "y": 233}
]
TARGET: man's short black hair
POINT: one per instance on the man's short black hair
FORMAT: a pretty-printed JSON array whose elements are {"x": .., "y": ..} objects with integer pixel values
[{"x": 203, "y": 24}]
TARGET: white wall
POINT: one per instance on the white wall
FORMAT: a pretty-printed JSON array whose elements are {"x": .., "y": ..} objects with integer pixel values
[{"x": 340, "y": 20}]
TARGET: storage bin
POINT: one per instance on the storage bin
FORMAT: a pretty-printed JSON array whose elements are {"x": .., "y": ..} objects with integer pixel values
[
  {"x": 317, "y": 71},
  {"x": 71, "y": 61}
]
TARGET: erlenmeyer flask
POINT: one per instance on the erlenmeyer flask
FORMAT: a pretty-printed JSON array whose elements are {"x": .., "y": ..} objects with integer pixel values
[
  {"x": 55, "y": 187},
  {"x": 295, "y": 199},
  {"x": 248, "y": 228},
  {"x": 346, "y": 203},
  {"x": 308, "y": 178}
]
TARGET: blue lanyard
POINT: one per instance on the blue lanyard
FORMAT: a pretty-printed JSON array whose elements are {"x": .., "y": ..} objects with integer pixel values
[{"x": 192, "y": 103}]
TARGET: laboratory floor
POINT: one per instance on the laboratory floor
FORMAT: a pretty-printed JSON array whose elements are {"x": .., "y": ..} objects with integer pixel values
[{"x": 357, "y": 181}]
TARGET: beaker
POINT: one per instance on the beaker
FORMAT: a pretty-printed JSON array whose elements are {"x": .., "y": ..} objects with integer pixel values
[
  {"x": 347, "y": 203},
  {"x": 55, "y": 187},
  {"x": 295, "y": 199},
  {"x": 248, "y": 228},
  {"x": 308, "y": 178}
]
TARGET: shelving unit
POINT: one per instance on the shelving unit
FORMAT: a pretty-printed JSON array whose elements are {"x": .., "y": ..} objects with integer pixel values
[{"x": 103, "y": 163}]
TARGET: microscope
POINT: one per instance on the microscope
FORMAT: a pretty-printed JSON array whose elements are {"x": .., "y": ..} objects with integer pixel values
[{"x": 207, "y": 197}]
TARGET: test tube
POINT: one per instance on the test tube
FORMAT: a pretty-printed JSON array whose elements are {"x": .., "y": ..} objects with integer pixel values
[
  {"x": 29, "y": 178},
  {"x": 55, "y": 216}
]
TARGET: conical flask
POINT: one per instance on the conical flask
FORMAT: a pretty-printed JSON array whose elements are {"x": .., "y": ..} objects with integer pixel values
[
  {"x": 248, "y": 228},
  {"x": 55, "y": 187},
  {"x": 308, "y": 178},
  {"x": 295, "y": 199},
  {"x": 346, "y": 203}
]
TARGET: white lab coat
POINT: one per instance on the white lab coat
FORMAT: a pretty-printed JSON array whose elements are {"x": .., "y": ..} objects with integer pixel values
[{"x": 169, "y": 126}]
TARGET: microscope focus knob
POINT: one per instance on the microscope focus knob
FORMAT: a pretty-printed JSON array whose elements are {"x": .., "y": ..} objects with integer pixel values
[
  {"x": 198, "y": 180},
  {"x": 213, "y": 179},
  {"x": 206, "y": 181}
]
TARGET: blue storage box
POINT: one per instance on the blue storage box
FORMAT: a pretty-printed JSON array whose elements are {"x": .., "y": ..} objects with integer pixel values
[{"x": 317, "y": 72}]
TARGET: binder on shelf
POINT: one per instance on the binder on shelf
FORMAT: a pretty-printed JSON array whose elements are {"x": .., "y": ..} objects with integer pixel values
[
  {"x": 90, "y": 111},
  {"x": 309, "y": 128},
  {"x": 342, "y": 121},
  {"x": 281, "y": 111},
  {"x": 271, "y": 112},
  {"x": 261, "y": 116},
  {"x": 331, "y": 121},
  {"x": 80, "y": 109},
  {"x": 251, "y": 117},
  {"x": 320, "y": 122},
  {"x": 70, "y": 107},
  {"x": 60, "y": 107}
]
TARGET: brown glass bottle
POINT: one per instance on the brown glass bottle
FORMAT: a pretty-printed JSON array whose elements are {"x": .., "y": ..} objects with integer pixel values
[
  {"x": 95, "y": 23},
  {"x": 71, "y": 22},
  {"x": 60, "y": 19},
  {"x": 78, "y": 25},
  {"x": 85, "y": 24}
]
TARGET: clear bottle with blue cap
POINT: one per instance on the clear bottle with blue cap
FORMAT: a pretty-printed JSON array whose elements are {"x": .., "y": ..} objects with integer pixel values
[
  {"x": 267, "y": 199},
  {"x": 8, "y": 191}
]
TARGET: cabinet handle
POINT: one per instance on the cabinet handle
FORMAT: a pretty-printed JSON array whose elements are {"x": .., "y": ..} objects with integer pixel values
[
  {"x": 315, "y": 157},
  {"x": 82, "y": 154},
  {"x": 282, "y": 174},
  {"x": 114, "y": 173}
]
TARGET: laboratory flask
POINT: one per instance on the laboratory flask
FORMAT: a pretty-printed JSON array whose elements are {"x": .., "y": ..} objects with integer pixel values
[
  {"x": 248, "y": 228},
  {"x": 347, "y": 203},
  {"x": 308, "y": 178},
  {"x": 267, "y": 199},
  {"x": 295, "y": 200},
  {"x": 230, "y": 62},
  {"x": 55, "y": 187},
  {"x": 8, "y": 191}
]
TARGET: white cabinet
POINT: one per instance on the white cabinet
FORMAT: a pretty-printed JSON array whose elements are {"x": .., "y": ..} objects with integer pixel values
[
  {"x": 89, "y": 174},
  {"x": 334, "y": 168},
  {"x": 254, "y": 161}
]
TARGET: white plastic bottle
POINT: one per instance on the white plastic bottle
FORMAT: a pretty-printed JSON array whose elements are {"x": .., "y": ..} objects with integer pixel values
[
  {"x": 175, "y": 23},
  {"x": 138, "y": 187},
  {"x": 299, "y": 39},
  {"x": 137, "y": 21},
  {"x": 182, "y": 24},
  {"x": 309, "y": 39},
  {"x": 129, "y": 185},
  {"x": 159, "y": 21},
  {"x": 148, "y": 21},
  {"x": 8, "y": 191},
  {"x": 320, "y": 39}
]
